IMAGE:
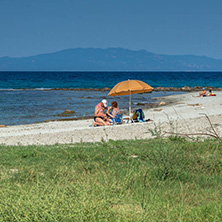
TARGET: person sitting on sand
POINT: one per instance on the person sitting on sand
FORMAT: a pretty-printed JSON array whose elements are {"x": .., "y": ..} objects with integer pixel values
[
  {"x": 100, "y": 118},
  {"x": 113, "y": 110},
  {"x": 203, "y": 93},
  {"x": 211, "y": 93}
]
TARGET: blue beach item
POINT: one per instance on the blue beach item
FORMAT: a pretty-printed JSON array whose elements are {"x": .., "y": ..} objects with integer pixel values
[
  {"x": 118, "y": 118},
  {"x": 138, "y": 115}
]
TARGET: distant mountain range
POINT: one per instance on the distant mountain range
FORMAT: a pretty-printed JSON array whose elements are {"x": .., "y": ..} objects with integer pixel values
[{"x": 110, "y": 59}]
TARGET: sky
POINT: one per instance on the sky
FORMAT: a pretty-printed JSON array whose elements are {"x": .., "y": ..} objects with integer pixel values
[{"x": 172, "y": 27}]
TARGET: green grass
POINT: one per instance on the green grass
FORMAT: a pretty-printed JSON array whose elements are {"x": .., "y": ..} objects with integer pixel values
[{"x": 140, "y": 180}]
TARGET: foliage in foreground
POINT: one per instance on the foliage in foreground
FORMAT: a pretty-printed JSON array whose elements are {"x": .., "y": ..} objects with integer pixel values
[{"x": 146, "y": 180}]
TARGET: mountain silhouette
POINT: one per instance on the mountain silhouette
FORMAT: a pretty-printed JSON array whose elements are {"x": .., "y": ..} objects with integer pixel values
[{"x": 110, "y": 59}]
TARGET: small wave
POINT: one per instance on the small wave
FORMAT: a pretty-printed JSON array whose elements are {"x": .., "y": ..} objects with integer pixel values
[
  {"x": 10, "y": 89},
  {"x": 64, "y": 89},
  {"x": 22, "y": 89},
  {"x": 83, "y": 89},
  {"x": 42, "y": 89}
]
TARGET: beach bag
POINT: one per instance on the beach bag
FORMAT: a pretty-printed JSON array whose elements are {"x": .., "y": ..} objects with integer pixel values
[{"x": 138, "y": 115}]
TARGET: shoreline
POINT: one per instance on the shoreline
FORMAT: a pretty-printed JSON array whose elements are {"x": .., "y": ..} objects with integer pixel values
[
  {"x": 156, "y": 89},
  {"x": 67, "y": 117},
  {"x": 69, "y": 105},
  {"x": 181, "y": 113}
]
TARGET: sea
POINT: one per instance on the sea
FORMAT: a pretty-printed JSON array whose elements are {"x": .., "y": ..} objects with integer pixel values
[{"x": 32, "y": 97}]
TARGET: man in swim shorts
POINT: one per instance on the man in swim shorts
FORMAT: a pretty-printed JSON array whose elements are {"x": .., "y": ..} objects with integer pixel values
[{"x": 100, "y": 118}]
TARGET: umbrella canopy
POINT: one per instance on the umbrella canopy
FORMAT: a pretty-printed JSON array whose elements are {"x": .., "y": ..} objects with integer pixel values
[{"x": 129, "y": 87}]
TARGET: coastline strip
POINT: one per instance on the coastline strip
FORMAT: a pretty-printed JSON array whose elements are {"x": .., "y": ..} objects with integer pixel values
[
  {"x": 177, "y": 117},
  {"x": 157, "y": 89}
]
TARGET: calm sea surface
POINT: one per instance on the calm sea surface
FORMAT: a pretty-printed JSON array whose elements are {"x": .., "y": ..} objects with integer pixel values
[{"x": 24, "y": 97}]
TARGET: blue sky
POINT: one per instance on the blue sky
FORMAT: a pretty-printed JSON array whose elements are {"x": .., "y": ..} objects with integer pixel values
[{"x": 174, "y": 27}]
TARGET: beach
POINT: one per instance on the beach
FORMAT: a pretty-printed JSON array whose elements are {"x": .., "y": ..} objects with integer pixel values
[{"x": 181, "y": 114}]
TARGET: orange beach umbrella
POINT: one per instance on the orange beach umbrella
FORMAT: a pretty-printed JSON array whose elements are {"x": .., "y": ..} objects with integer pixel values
[{"x": 129, "y": 87}]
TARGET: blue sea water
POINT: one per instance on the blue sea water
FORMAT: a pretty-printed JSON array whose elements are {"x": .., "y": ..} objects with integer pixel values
[
  {"x": 24, "y": 97},
  {"x": 30, "y": 80}
]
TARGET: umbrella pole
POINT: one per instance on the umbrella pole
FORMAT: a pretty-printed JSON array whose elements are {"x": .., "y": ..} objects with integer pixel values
[{"x": 130, "y": 105}]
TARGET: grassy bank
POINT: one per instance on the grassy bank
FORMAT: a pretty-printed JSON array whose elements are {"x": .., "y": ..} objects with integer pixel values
[{"x": 147, "y": 180}]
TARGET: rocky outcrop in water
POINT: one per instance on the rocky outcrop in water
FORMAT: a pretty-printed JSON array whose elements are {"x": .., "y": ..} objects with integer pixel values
[
  {"x": 157, "y": 89},
  {"x": 67, "y": 113}
]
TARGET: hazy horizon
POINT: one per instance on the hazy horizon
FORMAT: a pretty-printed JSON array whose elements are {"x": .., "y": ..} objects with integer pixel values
[
  {"x": 104, "y": 49},
  {"x": 164, "y": 27}
]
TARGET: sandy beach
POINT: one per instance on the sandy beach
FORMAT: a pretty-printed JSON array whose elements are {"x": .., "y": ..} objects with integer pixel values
[{"x": 179, "y": 114}]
